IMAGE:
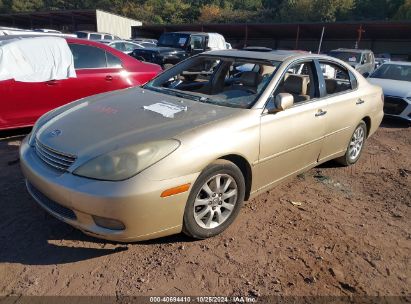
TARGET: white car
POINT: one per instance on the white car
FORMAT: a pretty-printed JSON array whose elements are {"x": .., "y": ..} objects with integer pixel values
[
  {"x": 126, "y": 47},
  {"x": 395, "y": 79}
]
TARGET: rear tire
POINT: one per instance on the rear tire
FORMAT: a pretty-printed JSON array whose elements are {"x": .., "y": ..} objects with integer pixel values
[
  {"x": 355, "y": 146},
  {"x": 214, "y": 201}
]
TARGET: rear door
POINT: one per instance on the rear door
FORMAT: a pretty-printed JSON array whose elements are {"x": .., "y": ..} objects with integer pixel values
[
  {"x": 344, "y": 107},
  {"x": 97, "y": 71}
]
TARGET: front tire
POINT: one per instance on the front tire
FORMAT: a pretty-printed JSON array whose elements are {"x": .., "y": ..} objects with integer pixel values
[
  {"x": 214, "y": 201},
  {"x": 355, "y": 146}
]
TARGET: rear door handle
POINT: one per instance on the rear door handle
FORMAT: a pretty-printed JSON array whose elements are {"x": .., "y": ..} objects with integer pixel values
[
  {"x": 320, "y": 113},
  {"x": 109, "y": 78},
  {"x": 360, "y": 101}
]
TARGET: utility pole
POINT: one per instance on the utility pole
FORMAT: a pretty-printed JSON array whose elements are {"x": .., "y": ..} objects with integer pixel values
[
  {"x": 360, "y": 31},
  {"x": 321, "y": 40}
]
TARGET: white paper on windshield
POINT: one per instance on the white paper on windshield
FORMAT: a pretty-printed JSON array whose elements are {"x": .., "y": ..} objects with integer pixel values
[
  {"x": 36, "y": 59},
  {"x": 166, "y": 109},
  {"x": 182, "y": 41},
  {"x": 352, "y": 59}
]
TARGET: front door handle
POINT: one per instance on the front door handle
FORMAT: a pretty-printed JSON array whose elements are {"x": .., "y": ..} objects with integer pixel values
[
  {"x": 320, "y": 113},
  {"x": 359, "y": 101},
  {"x": 52, "y": 82},
  {"x": 109, "y": 78}
]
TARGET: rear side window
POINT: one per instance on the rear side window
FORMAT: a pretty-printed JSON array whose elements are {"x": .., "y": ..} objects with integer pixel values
[
  {"x": 337, "y": 79},
  {"x": 95, "y": 37},
  {"x": 88, "y": 57},
  {"x": 113, "y": 61}
]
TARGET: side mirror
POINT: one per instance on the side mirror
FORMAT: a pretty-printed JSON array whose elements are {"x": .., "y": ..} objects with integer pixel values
[
  {"x": 366, "y": 75},
  {"x": 282, "y": 102}
]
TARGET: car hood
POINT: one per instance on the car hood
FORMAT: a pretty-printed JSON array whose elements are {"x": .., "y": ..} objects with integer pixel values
[
  {"x": 107, "y": 122},
  {"x": 393, "y": 87}
]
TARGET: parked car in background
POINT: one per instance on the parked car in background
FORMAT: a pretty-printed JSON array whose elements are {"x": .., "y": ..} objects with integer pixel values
[
  {"x": 182, "y": 155},
  {"x": 382, "y": 58},
  {"x": 361, "y": 60},
  {"x": 47, "y": 31},
  {"x": 99, "y": 69},
  {"x": 172, "y": 47},
  {"x": 395, "y": 79},
  {"x": 148, "y": 40},
  {"x": 96, "y": 36},
  {"x": 124, "y": 46}
]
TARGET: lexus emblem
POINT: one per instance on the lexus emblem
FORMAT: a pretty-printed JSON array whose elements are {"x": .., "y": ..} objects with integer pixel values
[{"x": 56, "y": 133}]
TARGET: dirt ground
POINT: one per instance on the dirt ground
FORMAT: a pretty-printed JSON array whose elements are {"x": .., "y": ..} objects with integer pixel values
[{"x": 332, "y": 231}]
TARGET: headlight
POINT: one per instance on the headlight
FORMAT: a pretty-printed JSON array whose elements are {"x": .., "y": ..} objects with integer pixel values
[{"x": 127, "y": 162}]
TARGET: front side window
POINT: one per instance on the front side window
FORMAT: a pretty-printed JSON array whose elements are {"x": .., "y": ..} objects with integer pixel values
[
  {"x": 119, "y": 46},
  {"x": 129, "y": 47},
  {"x": 108, "y": 37},
  {"x": 217, "y": 80},
  {"x": 337, "y": 78},
  {"x": 197, "y": 43},
  {"x": 81, "y": 35},
  {"x": 300, "y": 82}
]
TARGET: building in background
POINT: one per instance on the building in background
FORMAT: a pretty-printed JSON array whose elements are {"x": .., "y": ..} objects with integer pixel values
[
  {"x": 379, "y": 36},
  {"x": 70, "y": 21}
]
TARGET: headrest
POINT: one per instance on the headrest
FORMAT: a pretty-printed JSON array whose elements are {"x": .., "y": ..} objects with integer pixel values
[
  {"x": 330, "y": 85},
  {"x": 296, "y": 84},
  {"x": 250, "y": 79}
]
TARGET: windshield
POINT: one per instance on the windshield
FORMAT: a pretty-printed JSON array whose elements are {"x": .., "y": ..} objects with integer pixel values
[
  {"x": 347, "y": 56},
  {"x": 394, "y": 72},
  {"x": 230, "y": 82},
  {"x": 176, "y": 40}
]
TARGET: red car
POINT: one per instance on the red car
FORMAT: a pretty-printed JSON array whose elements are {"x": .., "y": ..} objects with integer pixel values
[{"x": 99, "y": 68}]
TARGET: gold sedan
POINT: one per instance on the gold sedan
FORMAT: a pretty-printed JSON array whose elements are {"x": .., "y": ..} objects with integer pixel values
[{"x": 184, "y": 151}]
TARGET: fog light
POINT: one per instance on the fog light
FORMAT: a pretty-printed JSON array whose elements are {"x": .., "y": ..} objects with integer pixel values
[{"x": 108, "y": 223}]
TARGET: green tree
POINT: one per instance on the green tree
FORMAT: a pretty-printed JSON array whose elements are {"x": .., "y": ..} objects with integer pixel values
[
  {"x": 404, "y": 11},
  {"x": 26, "y": 5}
]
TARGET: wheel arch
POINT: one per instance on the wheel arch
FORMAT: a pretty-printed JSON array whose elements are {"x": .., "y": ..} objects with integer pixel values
[
  {"x": 245, "y": 169},
  {"x": 367, "y": 121}
]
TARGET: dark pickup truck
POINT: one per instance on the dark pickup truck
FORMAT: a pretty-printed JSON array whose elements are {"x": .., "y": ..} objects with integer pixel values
[{"x": 174, "y": 47}]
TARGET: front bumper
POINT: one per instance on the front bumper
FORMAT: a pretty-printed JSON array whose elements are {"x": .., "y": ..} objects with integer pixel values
[
  {"x": 397, "y": 107},
  {"x": 135, "y": 202}
]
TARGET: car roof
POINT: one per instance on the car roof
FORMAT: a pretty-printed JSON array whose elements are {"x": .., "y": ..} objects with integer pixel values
[
  {"x": 186, "y": 32},
  {"x": 115, "y": 40},
  {"x": 351, "y": 50},
  {"x": 279, "y": 55}
]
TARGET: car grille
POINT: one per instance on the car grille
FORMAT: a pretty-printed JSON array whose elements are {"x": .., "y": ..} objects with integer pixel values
[
  {"x": 394, "y": 105},
  {"x": 58, "y": 160},
  {"x": 50, "y": 204}
]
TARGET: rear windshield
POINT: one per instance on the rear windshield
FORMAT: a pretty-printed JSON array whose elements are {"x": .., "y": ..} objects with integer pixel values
[
  {"x": 177, "y": 40},
  {"x": 346, "y": 56}
]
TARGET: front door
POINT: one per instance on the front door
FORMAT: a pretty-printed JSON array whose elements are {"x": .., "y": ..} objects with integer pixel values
[{"x": 292, "y": 140}]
